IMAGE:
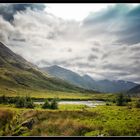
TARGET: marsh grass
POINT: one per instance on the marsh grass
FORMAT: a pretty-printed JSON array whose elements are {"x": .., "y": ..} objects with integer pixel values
[{"x": 72, "y": 120}]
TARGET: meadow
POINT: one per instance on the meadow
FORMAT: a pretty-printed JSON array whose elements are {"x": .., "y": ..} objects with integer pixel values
[
  {"x": 71, "y": 120},
  {"x": 43, "y": 94}
]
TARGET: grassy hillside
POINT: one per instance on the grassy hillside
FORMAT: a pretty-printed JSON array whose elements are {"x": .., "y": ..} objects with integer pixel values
[{"x": 16, "y": 72}]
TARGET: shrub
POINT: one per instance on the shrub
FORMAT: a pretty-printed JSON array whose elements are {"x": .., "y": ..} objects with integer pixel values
[
  {"x": 128, "y": 98},
  {"x": 20, "y": 102},
  {"x": 12, "y": 100},
  {"x": 50, "y": 104},
  {"x": 120, "y": 100},
  {"x": 54, "y": 104},
  {"x": 24, "y": 102},
  {"x": 108, "y": 104},
  {"x": 46, "y": 105},
  {"x": 3, "y": 99},
  {"x": 138, "y": 103},
  {"x": 30, "y": 104}
]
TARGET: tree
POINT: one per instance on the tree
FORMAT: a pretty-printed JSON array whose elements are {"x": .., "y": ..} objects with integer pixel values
[
  {"x": 120, "y": 100},
  {"x": 3, "y": 99},
  {"x": 54, "y": 104},
  {"x": 50, "y": 104},
  {"x": 46, "y": 105},
  {"x": 138, "y": 103},
  {"x": 21, "y": 102},
  {"x": 128, "y": 98},
  {"x": 30, "y": 104}
]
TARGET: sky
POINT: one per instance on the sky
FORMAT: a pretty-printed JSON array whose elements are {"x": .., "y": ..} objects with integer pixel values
[{"x": 101, "y": 40}]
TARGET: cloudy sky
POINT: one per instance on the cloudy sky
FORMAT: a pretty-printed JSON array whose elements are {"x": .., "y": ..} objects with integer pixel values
[{"x": 102, "y": 40}]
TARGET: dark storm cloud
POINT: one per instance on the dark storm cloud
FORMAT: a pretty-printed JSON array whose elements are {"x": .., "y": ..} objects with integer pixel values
[
  {"x": 8, "y": 10},
  {"x": 105, "y": 16},
  {"x": 121, "y": 20}
]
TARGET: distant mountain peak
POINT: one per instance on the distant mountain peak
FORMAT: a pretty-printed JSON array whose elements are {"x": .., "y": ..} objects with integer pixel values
[
  {"x": 87, "y": 77},
  {"x": 87, "y": 81}
]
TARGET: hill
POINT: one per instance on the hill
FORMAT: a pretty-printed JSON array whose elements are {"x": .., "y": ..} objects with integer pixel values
[
  {"x": 16, "y": 72},
  {"x": 67, "y": 75}
]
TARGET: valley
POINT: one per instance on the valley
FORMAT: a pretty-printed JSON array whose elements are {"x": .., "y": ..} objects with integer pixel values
[{"x": 36, "y": 103}]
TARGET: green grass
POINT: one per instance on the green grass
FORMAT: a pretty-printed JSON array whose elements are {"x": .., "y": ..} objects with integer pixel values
[
  {"x": 12, "y": 92},
  {"x": 42, "y": 94},
  {"x": 9, "y": 92},
  {"x": 72, "y": 120},
  {"x": 72, "y": 107}
]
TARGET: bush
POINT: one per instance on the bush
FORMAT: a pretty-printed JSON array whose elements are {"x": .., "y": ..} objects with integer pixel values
[
  {"x": 21, "y": 102},
  {"x": 24, "y": 102},
  {"x": 54, "y": 104},
  {"x": 128, "y": 99},
  {"x": 3, "y": 99},
  {"x": 50, "y": 104},
  {"x": 12, "y": 100},
  {"x": 18, "y": 101},
  {"x": 108, "y": 104},
  {"x": 46, "y": 105},
  {"x": 30, "y": 104},
  {"x": 138, "y": 104},
  {"x": 120, "y": 100}
]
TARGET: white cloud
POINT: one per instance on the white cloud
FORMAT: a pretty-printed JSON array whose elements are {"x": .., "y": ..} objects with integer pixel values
[
  {"x": 74, "y": 11},
  {"x": 43, "y": 38}
]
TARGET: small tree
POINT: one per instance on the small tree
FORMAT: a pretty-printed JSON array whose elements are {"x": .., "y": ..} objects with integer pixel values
[
  {"x": 3, "y": 99},
  {"x": 128, "y": 98},
  {"x": 21, "y": 102},
  {"x": 54, "y": 104},
  {"x": 46, "y": 105},
  {"x": 30, "y": 104},
  {"x": 138, "y": 103},
  {"x": 120, "y": 100}
]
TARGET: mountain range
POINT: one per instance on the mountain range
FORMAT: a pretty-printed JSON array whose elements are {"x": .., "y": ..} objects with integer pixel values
[
  {"x": 88, "y": 82},
  {"x": 16, "y": 72},
  {"x": 135, "y": 89}
]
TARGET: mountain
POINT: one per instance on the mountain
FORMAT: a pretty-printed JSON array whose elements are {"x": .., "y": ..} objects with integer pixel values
[
  {"x": 87, "y": 82},
  {"x": 135, "y": 89},
  {"x": 115, "y": 85},
  {"x": 67, "y": 75},
  {"x": 16, "y": 72}
]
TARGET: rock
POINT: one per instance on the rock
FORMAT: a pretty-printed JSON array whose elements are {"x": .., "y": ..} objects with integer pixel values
[{"x": 28, "y": 123}]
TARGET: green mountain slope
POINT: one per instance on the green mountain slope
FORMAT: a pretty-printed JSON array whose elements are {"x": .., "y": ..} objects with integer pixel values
[
  {"x": 16, "y": 72},
  {"x": 135, "y": 89},
  {"x": 87, "y": 82}
]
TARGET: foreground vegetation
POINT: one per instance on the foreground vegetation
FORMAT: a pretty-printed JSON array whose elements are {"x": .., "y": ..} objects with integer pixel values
[
  {"x": 102, "y": 120},
  {"x": 71, "y": 120}
]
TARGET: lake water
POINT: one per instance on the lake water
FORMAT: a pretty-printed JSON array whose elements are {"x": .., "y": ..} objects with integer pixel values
[{"x": 87, "y": 103}]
